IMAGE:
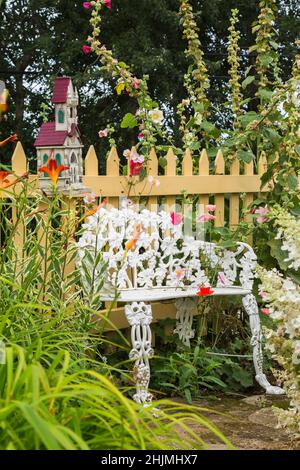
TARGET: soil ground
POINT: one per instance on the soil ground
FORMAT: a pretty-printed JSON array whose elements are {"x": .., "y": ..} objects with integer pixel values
[{"x": 248, "y": 422}]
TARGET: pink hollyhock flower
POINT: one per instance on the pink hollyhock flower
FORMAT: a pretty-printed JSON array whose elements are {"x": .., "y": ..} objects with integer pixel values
[
  {"x": 87, "y": 5},
  {"x": 266, "y": 311},
  {"x": 136, "y": 83},
  {"x": 135, "y": 168},
  {"x": 89, "y": 198},
  {"x": 107, "y": 3},
  {"x": 262, "y": 211},
  {"x": 140, "y": 135},
  {"x": 136, "y": 158},
  {"x": 263, "y": 294},
  {"x": 206, "y": 217},
  {"x": 126, "y": 153},
  {"x": 222, "y": 278},
  {"x": 176, "y": 218},
  {"x": 153, "y": 181},
  {"x": 210, "y": 207},
  {"x": 103, "y": 133},
  {"x": 179, "y": 273},
  {"x": 86, "y": 49}
]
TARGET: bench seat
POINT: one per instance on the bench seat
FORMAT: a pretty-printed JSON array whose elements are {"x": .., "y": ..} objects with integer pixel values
[{"x": 168, "y": 293}]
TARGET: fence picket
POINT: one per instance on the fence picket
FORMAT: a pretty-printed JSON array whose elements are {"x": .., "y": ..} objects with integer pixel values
[
  {"x": 187, "y": 209},
  {"x": 91, "y": 162},
  {"x": 249, "y": 196},
  {"x": 113, "y": 169},
  {"x": 19, "y": 167},
  {"x": 204, "y": 171},
  {"x": 152, "y": 170},
  {"x": 170, "y": 170},
  {"x": 234, "y": 203},
  {"x": 219, "y": 198}
]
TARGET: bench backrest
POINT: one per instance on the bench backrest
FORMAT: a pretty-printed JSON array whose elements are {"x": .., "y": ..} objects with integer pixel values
[{"x": 163, "y": 255}]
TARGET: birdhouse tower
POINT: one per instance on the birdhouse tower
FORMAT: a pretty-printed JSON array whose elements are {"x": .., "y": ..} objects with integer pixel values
[{"x": 61, "y": 140}]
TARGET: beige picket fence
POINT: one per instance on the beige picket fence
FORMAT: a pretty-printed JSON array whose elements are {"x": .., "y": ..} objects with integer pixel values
[{"x": 237, "y": 185}]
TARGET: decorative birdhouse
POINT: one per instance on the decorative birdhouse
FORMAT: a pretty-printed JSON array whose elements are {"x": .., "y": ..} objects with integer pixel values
[{"x": 61, "y": 140}]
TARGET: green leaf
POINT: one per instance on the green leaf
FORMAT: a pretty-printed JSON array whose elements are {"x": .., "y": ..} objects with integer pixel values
[
  {"x": 247, "y": 81},
  {"x": 195, "y": 146},
  {"x": 297, "y": 149},
  {"x": 249, "y": 117},
  {"x": 129, "y": 121},
  {"x": 265, "y": 94},
  {"x": 199, "y": 107},
  {"x": 295, "y": 211},
  {"x": 188, "y": 395},
  {"x": 123, "y": 65},
  {"x": 274, "y": 44},
  {"x": 162, "y": 161},
  {"x": 245, "y": 155},
  {"x": 266, "y": 59},
  {"x": 278, "y": 254},
  {"x": 292, "y": 182},
  {"x": 272, "y": 135},
  {"x": 242, "y": 376}
]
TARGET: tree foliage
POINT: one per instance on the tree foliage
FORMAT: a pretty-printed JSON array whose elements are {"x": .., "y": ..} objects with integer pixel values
[{"x": 40, "y": 39}]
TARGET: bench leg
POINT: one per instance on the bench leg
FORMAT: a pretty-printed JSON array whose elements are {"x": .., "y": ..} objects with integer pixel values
[
  {"x": 185, "y": 311},
  {"x": 139, "y": 316},
  {"x": 251, "y": 308}
]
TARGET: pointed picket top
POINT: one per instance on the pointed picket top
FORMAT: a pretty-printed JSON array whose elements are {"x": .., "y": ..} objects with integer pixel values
[
  {"x": 219, "y": 164},
  {"x": 249, "y": 168},
  {"x": 262, "y": 164},
  {"x": 113, "y": 163},
  {"x": 235, "y": 166},
  {"x": 152, "y": 163},
  {"x": 91, "y": 162},
  {"x": 187, "y": 163},
  {"x": 204, "y": 163},
  {"x": 19, "y": 160},
  {"x": 170, "y": 168}
]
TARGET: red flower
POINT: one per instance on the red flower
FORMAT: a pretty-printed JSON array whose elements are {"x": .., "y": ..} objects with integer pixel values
[
  {"x": 205, "y": 291},
  {"x": 53, "y": 170},
  {"x": 86, "y": 49},
  {"x": 135, "y": 168},
  {"x": 176, "y": 218},
  {"x": 107, "y": 3},
  {"x": 87, "y": 5}
]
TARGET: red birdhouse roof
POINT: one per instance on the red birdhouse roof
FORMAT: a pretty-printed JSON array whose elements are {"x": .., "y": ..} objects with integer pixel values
[
  {"x": 60, "y": 90},
  {"x": 49, "y": 137}
]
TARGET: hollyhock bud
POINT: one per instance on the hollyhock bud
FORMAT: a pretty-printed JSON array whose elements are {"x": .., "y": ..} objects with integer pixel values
[{"x": 86, "y": 49}]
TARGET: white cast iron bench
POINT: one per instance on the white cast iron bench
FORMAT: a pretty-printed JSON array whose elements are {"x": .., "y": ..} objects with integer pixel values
[{"x": 149, "y": 273}]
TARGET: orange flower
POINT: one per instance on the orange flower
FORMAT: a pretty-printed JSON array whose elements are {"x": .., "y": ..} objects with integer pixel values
[
  {"x": 5, "y": 182},
  {"x": 53, "y": 170},
  {"x": 135, "y": 236},
  {"x": 95, "y": 209},
  {"x": 12, "y": 138}
]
